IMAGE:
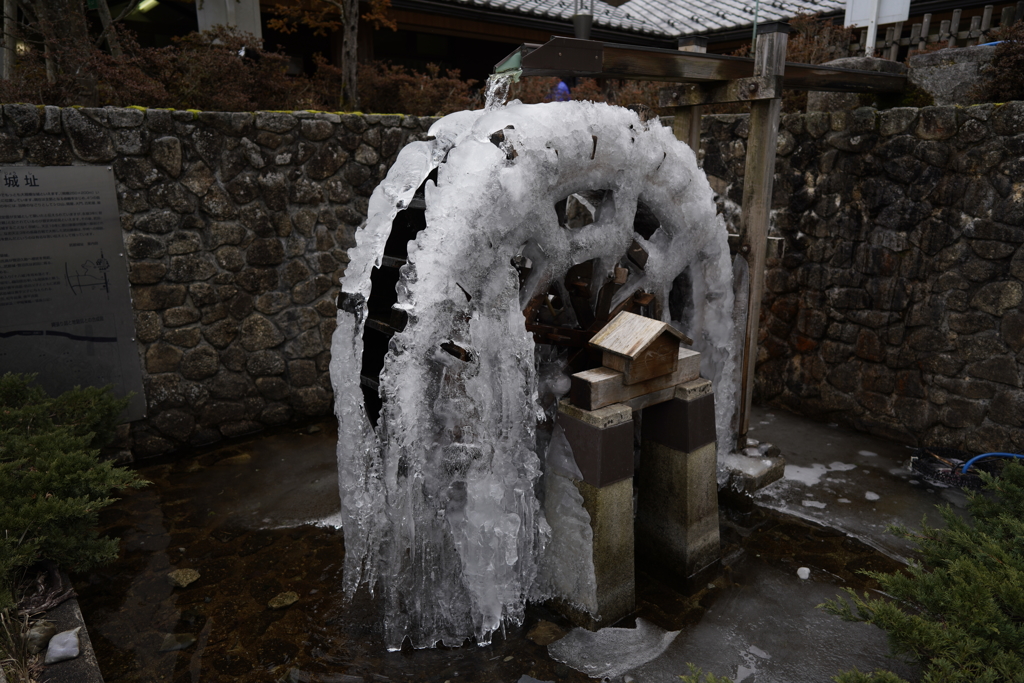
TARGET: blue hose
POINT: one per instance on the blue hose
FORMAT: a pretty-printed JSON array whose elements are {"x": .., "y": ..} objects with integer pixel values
[{"x": 988, "y": 455}]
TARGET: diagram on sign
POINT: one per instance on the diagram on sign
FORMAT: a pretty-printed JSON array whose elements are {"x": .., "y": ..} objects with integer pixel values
[{"x": 89, "y": 276}]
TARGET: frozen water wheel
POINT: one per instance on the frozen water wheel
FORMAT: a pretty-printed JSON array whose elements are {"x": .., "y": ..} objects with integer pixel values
[
  {"x": 579, "y": 304},
  {"x": 537, "y": 224}
]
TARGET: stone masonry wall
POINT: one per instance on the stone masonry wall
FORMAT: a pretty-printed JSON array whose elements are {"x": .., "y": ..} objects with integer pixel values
[
  {"x": 897, "y": 305},
  {"x": 896, "y": 308},
  {"x": 236, "y": 228}
]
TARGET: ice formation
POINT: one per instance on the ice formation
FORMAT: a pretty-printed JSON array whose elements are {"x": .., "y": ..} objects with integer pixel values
[
  {"x": 611, "y": 652},
  {"x": 443, "y": 507}
]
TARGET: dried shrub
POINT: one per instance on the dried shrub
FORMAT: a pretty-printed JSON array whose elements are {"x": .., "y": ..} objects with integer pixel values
[
  {"x": 815, "y": 40},
  {"x": 216, "y": 70},
  {"x": 1003, "y": 79},
  {"x": 393, "y": 89},
  {"x": 534, "y": 89}
]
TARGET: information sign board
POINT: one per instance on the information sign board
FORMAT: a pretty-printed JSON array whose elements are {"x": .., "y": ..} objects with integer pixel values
[
  {"x": 859, "y": 12},
  {"x": 65, "y": 305}
]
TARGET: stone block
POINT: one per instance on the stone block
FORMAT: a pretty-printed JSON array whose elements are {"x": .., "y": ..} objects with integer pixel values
[
  {"x": 604, "y": 454},
  {"x": 683, "y": 425},
  {"x": 677, "y": 509},
  {"x": 948, "y": 75}
]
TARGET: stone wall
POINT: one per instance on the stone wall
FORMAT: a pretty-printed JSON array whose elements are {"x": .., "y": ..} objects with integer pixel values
[
  {"x": 236, "y": 228},
  {"x": 897, "y": 306}
]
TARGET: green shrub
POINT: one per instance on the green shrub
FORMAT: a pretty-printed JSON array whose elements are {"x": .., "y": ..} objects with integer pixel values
[
  {"x": 52, "y": 484},
  {"x": 960, "y": 609}
]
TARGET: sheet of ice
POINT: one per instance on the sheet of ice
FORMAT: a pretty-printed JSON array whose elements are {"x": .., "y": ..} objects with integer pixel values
[
  {"x": 867, "y": 454},
  {"x": 567, "y": 567},
  {"x": 611, "y": 652},
  {"x": 871, "y": 495},
  {"x": 442, "y": 503},
  {"x": 775, "y": 612},
  {"x": 813, "y": 474}
]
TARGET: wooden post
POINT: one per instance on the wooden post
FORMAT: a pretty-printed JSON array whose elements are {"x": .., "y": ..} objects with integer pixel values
[
  {"x": 686, "y": 121},
  {"x": 954, "y": 28},
  {"x": 769, "y": 60},
  {"x": 1006, "y": 18},
  {"x": 974, "y": 33},
  {"x": 915, "y": 36},
  {"x": 897, "y": 34},
  {"x": 10, "y": 24},
  {"x": 926, "y": 25}
]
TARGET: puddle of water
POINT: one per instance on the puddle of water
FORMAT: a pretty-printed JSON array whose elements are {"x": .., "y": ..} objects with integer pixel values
[{"x": 243, "y": 518}]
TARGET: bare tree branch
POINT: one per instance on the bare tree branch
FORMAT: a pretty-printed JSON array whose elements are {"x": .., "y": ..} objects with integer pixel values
[{"x": 108, "y": 24}]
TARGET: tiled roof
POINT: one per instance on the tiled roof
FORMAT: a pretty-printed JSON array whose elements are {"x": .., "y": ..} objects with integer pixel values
[{"x": 666, "y": 18}]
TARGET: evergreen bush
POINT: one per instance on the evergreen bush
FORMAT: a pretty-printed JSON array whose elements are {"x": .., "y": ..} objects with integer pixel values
[
  {"x": 959, "y": 610},
  {"x": 52, "y": 483}
]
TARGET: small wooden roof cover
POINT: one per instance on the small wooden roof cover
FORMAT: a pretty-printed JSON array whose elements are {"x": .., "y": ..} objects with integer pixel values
[{"x": 628, "y": 334}]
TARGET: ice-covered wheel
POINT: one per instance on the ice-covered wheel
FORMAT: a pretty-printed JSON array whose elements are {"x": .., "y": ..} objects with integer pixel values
[{"x": 567, "y": 211}]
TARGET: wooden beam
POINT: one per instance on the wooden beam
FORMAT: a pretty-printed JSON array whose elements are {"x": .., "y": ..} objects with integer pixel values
[
  {"x": 593, "y": 389},
  {"x": 686, "y": 121},
  {"x": 738, "y": 90},
  {"x": 593, "y": 59},
  {"x": 758, "y": 180}
]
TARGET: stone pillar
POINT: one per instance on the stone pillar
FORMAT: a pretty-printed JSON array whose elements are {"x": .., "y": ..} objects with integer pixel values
[
  {"x": 677, "y": 499},
  {"x": 602, "y": 445}
]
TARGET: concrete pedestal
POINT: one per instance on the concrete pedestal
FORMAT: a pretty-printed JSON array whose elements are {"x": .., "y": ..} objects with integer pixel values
[
  {"x": 677, "y": 498},
  {"x": 602, "y": 444},
  {"x": 676, "y": 525},
  {"x": 611, "y": 519}
]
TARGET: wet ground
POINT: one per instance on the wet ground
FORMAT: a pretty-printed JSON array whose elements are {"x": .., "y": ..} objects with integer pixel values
[
  {"x": 242, "y": 517},
  {"x": 852, "y": 482}
]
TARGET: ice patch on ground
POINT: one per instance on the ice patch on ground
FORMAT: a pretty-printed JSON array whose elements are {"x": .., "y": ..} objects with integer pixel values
[
  {"x": 611, "y": 652},
  {"x": 813, "y": 504},
  {"x": 758, "y": 652},
  {"x": 867, "y": 454},
  {"x": 813, "y": 474},
  {"x": 871, "y": 495}
]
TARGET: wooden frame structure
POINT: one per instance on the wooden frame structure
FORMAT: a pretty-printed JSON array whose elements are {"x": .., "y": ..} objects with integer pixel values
[{"x": 705, "y": 79}]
